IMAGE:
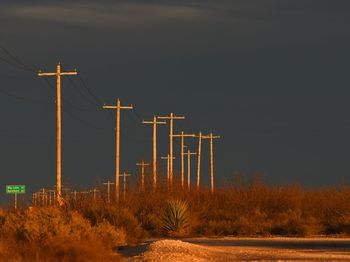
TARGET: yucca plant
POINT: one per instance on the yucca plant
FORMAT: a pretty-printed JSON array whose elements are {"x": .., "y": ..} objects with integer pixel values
[{"x": 175, "y": 218}]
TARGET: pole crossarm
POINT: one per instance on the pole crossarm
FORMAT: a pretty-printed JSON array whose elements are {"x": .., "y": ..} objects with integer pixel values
[
  {"x": 154, "y": 122},
  {"x": 142, "y": 164},
  {"x": 117, "y": 107},
  {"x": 166, "y": 157},
  {"x": 190, "y": 153},
  {"x": 125, "y": 174},
  {"x": 171, "y": 118},
  {"x": 211, "y": 137},
  {"x": 184, "y": 135},
  {"x": 58, "y": 75}
]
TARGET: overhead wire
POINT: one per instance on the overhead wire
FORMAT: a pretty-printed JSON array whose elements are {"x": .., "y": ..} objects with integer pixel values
[
  {"x": 88, "y": 90},
  {"x": 19, "y": 62},
  {"x": 22, "y": 98}
]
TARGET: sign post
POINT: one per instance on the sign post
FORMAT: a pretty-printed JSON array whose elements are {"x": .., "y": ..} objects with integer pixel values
[{"x": 15, "y": 189}]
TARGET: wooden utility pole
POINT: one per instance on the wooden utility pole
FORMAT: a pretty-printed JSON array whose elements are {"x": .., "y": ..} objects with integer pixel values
[
  {"x": 108, "y": 190},
  {"x": 167, "y": 158},
  {"x": 124, "y": 175},
  {"x": 199, "y": 159},
  {"x": 189, "y": 153},
  {"x": 51, "y": 192},
  {"x": 75, "y": 196},
  {"x": 34, "y": 199},
  {"x": 58, "y": 75},
  {"x": 200, "y": 138},
  {"x": 117, "y": 142},
  {"x": 142, "y": 164},
  {"x": 211, "y": 137},
  {"x": 182, "y": 135},
  {"x": 171, "y": 117},
  {"x": 94, "y": 193},
  {"x": 154, "y": 123},
  {"x": 15, "y": 201}
]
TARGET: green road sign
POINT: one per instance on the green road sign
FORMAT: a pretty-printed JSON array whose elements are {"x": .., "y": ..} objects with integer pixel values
[{"x": 15, "y": 189}]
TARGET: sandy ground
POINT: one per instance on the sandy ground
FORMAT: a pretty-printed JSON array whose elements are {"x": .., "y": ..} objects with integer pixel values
[{"x": 240, "y": 250}]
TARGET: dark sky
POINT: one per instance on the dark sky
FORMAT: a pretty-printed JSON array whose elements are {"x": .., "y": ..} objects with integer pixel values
[{"x": 271, "y": 77}]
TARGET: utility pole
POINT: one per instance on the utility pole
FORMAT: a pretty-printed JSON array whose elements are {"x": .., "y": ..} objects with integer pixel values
[
  {"x": 94, "y": 191},
  {"x": 51, "y": 192},
  {"x": 43, "y": 197},
  {"x": 58, "y": 75},
  {"x": 117, "y": 142},
  {"x": 189, "y": 153},
  {"x": 108, "y": 190},
  {"x": 171, "y": 117},
  {"x": 200, "y": 138},
  {"x": 167, "y": 158},
  {"x": 211, "y": 137},
  {"x": 33, "y": 199},
  {"x": 182, "y": 135},
  {"x": 75, "y": 196},
  {"x": 124, "y": 175},
  {"x": 15, "y": 201},
  {"x": 142, "y": 164},
  {"x": 154, "y": 123}
]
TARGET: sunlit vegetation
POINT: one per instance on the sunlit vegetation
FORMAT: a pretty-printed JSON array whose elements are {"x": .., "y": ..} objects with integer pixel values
[{"x": 90, "y": 229}]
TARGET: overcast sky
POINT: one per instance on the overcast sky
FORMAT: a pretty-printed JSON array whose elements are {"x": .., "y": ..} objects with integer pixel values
[{"x": 271, "y": 77}]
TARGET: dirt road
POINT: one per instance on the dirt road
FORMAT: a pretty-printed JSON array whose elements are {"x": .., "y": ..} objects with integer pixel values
[{"x": 241, "y": 249}]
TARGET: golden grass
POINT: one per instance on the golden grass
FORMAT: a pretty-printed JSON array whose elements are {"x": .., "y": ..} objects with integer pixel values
[{"x": 91, "y": 230}]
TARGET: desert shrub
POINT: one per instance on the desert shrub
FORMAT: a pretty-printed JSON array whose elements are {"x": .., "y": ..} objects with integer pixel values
[
  {"x": 109, "y": 235},
  {"x": 119, "y": 217},
  {"x": 51, "y": 234},
  {"x": 175, "y": 218}
]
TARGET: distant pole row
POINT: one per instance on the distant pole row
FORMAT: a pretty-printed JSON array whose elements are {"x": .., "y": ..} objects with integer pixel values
[{"x": 171, "y": 117}]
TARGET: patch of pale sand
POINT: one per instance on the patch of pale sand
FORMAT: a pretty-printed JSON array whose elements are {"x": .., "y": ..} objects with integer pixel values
[{"x": 176, "y": 250}]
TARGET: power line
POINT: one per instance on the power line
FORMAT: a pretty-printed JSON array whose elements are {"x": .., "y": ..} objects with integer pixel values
[
  {"x": 22, "y": 98},
  {"x": 11, "y": 63},
  {"x": 82, "y": 121},
  {"x": 64, "y": 100},
  {"x": 81, "y": 93},
  {"x": 18, "y": 63},
  {"x": 89, "y": 91}
]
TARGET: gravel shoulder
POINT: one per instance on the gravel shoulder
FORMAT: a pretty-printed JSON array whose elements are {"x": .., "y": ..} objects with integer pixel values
[{"x": 240, "y": 249}]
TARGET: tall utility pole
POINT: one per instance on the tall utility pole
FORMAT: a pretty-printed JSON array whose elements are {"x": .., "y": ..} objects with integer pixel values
[
  {"x": 167, "y": 158},
  {"x": 171, "y": 117},
  {"x": 200, "y": 138},
  {"x": 124, "y": 184},
  {"x": 199, "y": 159},
  {"x": 58, "y": 75},
  {"x": 189, "y": 153},
  {"x": 51, "y": 192},
  {"x": 182, "y": 135},
  {"x": 154, "y": 123},
  {"x": 211, "y": 137},
  {"x": 142, "y": 164},
  {"x": 117, "y": 142},
  {"x": 94, "y": 194},
  {"x": 108, "y": 190}
]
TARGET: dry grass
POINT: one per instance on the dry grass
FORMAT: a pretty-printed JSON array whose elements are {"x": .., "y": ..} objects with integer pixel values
[
  {"x": 90, "y": 230},
  {"x": 51, "y": 234}
]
